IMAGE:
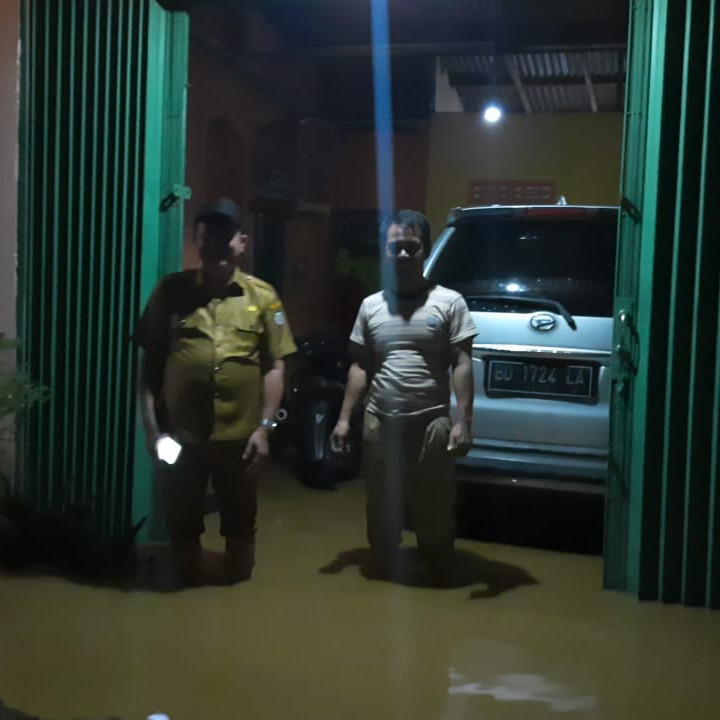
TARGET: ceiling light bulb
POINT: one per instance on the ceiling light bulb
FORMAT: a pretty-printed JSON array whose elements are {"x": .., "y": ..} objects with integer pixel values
[{"x": 492, "y": 114}]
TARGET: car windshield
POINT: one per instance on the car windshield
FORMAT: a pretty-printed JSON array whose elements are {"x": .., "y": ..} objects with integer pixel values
[{"x": 570, "y": 260}]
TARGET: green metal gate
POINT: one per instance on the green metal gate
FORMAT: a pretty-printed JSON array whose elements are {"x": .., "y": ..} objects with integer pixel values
[
  {"x": 102, "y": 165},
  {"x": 663, "y": 508}
]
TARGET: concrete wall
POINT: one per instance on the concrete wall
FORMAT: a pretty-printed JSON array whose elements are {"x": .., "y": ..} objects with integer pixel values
[
  {"x": 355, "y": 170},
  {"x": 226, "y": 102},
  {"x": 9, "y": 116},
  {"x": 309, "y": 257},
  {"x": 9, "y": 113},
  {"x": 580, "y": 153},
  {"x": 223, "y": 110}
]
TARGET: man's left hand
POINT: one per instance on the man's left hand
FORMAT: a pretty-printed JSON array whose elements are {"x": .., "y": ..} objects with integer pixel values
[
  {"x": 460, "y": 440},
  {"x": 258, "y": 447}
]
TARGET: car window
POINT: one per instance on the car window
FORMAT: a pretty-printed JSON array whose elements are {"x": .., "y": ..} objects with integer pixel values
[{"x": 569, "y": 260}]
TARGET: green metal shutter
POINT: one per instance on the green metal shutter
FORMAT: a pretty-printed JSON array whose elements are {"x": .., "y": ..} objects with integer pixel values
[
  {"x": 92, "y": 239},
  {"x": 663, "y": 519}
]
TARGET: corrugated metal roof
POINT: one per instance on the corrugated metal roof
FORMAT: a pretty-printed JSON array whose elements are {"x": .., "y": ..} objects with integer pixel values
[
  {"x": 542, "y": 64},
  {"x": 554, "y": 82},
  {"x": 570, "y": 64},
  {"x": 559, "y": 98}
]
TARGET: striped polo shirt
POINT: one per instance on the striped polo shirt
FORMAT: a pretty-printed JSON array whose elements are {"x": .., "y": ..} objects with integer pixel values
[{"x": 409, "y": 340}]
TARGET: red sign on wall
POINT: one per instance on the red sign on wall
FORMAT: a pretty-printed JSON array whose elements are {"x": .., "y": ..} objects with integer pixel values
[{"x": 511, "y": 192}]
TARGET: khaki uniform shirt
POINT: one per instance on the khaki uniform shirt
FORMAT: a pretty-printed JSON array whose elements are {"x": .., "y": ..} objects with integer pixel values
[{"x": 210, "y": 353}]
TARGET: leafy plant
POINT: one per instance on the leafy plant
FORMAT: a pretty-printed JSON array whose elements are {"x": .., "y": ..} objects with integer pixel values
[{"x": 17, "y": 391}]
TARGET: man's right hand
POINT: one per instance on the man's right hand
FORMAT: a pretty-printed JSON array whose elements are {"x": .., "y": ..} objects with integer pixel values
[{"x": 339, "y": 437}]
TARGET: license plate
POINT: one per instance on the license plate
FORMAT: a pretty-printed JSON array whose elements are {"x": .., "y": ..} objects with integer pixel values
[{"x": 547, "y": 379}]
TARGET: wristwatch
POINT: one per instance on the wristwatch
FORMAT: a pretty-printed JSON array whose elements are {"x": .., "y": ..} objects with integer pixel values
[{"x": 269, "y": 424}]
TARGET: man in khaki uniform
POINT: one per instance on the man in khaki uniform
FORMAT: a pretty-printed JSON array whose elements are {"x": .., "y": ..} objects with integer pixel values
[
  {"x": 212, "y": 372},
  {"x": 407, "y": 341}
]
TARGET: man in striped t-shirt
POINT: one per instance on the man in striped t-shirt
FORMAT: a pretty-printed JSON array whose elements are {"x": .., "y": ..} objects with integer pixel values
[{"x": 407, "y": 341}]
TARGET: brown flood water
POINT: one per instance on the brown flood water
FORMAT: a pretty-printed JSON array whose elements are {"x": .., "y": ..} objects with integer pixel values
[{"x": 523, "y": 634}]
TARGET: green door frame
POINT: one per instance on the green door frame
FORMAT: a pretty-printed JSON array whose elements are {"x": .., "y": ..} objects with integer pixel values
[
  {"x": 663, "y": 505},
  {"x": 165, "y": 195}
]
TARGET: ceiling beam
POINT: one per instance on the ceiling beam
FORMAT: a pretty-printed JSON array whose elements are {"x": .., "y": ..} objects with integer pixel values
[
  {"x": 620, "y": 94},
  {"x": 477, "y": 79},
  {"x": 591, "y": 91},
  {"x": 430, "y": 48},
  {"x": 482, "y": 48},
  {"x": 518, "y": 83}
]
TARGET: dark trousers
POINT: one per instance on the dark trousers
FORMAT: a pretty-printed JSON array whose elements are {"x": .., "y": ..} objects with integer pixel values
[{"x": 183, "y": 487}]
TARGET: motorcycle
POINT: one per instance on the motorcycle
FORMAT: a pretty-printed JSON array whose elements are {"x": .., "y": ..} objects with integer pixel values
[{"x": 314, "y": 392}]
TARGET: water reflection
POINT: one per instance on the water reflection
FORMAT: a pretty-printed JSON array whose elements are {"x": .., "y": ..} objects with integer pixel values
[{"x": 518, "y": 687}]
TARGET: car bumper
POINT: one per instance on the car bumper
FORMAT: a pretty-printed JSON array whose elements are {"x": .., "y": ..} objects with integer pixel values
[{"x": 579, "y": 464}]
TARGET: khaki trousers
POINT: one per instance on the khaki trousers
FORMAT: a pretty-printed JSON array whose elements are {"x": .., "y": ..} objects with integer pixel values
[{"x": 406, "y": 465}]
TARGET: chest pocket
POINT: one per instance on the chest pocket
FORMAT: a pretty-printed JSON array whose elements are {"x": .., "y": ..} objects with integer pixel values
[
  {"x": 242, "y": 338},
  {"x": 240, "y": 328},
  {"x": 187, "y": 327}
]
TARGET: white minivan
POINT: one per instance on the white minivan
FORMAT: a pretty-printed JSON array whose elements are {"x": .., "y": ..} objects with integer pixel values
[{"x": 539, "y": 282}]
